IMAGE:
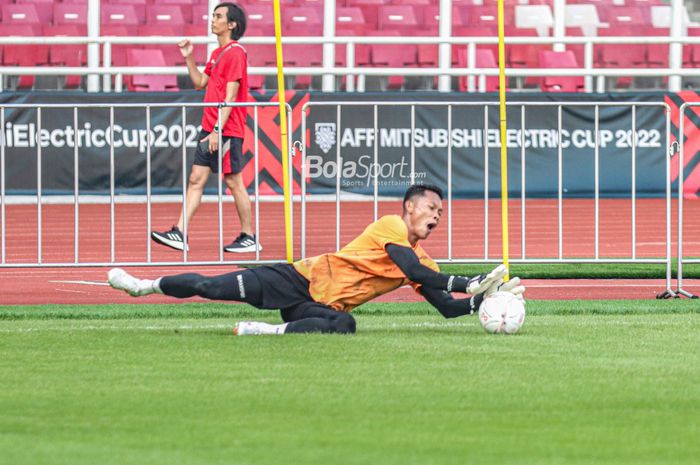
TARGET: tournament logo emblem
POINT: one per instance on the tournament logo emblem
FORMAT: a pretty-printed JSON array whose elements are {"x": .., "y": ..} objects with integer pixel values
[{"x": 325, "y": 136}]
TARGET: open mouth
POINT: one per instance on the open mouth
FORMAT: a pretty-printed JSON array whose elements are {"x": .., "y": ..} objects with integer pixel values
[{"x": 431, "y": 226}]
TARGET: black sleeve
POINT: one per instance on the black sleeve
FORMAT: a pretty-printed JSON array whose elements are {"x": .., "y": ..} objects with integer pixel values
[
  {"x": 408, "y": 262},
  {"x": 449, "y": 306}
]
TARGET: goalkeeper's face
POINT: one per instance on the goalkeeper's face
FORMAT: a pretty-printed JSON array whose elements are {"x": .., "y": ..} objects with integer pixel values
[{"x": 423, "y": 214}]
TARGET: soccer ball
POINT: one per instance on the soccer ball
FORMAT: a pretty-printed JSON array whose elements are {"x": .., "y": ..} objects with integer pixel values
[{"x": 502, "y": 312}]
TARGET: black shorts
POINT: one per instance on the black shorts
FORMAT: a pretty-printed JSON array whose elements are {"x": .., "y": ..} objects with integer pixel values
[
  {"x": 282, "y": 286},
  {"x": 231, "y": 147}
]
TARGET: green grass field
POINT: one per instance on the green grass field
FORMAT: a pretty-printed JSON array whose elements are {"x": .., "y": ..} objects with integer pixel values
[{"x": 584, "y": 382}]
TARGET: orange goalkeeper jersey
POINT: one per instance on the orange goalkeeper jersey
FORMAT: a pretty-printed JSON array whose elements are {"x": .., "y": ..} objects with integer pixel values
[{"x": 362, "y": 270}]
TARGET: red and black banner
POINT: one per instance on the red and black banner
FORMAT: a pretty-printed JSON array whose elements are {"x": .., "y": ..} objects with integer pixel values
[{"x": 690, "y": 138}]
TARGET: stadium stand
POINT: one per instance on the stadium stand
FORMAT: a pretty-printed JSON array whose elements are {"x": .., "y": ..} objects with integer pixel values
[{"x": 387, "y": 18}]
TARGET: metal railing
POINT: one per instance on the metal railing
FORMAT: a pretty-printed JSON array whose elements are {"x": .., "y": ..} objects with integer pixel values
[
  {"x": 594, "y": 77},
  {"x": 113, "y": 198},
  {"x": 681, "y": 167},
  {"x": 523, "y": 106}
]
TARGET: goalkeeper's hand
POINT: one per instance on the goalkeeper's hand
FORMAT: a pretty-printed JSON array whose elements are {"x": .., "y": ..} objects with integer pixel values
[
  {"x": 513, "y": 286},
  {"x": 481, "y": 283}
]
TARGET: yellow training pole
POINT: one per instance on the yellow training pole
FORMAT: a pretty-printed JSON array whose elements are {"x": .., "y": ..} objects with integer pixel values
[
  {"x": 283, "y": 134},
  {"x": 504, "y": 145}
]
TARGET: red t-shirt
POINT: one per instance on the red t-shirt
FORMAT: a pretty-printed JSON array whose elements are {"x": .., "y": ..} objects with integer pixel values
[{"x": 232, "y": 67}]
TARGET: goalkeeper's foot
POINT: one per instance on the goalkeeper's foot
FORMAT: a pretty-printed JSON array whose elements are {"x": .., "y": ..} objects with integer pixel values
[
  {"x": 256, "y": 328},
  {"x": 120, "y": 279}
]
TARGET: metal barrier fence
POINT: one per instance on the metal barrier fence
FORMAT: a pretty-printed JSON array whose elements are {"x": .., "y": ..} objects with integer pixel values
[
  {"x": 340, "y": 107},
  {"x": 681, "y": 166},
  {"x": 38, "y": 198}
]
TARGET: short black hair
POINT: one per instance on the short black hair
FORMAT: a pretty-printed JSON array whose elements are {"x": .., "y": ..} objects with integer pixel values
[
  {"x": 419, "y": 189},
  {"x": 234, "y": 14}
]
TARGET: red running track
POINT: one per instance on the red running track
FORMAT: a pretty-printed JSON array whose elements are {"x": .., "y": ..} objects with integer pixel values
[{"x": 60, "y": 285}]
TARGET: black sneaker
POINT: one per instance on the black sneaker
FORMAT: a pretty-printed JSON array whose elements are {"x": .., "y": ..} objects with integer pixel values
[
  {"x": 172, "y": 238},
  {"x": 243, "y": 243}
]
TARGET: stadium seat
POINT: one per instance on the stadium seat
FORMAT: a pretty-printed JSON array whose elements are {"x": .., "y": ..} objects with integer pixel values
[
  {"x": 523, "y": 55},
  {"x": 657, "y": 54},
  {"x": 349, "y": 21},
  {"x": 370, "y": 10},
  {"x": 538, "y": 17},
  {"x": 121, "y": 15},
  {"x": 67, "y": 54},
  {"x": 200, "y": 50},
  {"x": 691, "y": 52},
  {"x": 487, "y": 16},
  {"x": 26, "y": 55},
  {"x": 170, "y": 51},
  {"x": 484, "y": 59},
  {"x": 170, "y": 15},
  {"x": 302, "y": 21},
  {"x": 578, "y": 49},
  {"x": 149, "y": 83},
  {"x": 615, "y": 56},
  {"x": 661, "y": 17},
  {"x": 627, "y": 16},
  {"x": 26, "y": 14},
  {"x": 260, "y": 55},
  {"x": 260, "y": 20},
  {"x": 431, "y": 17},
  {"x": 303, "y": 56},
  {"x": 200, "y": 15},
  {"x": 393, "y": 56},
  {"x": 70, "y": 13},
  {"x": 401, "y": 18},
  {"x": 551, "y": 59},
  {"x": 119, "y": 50},
  {"x": 583, "y": 16}
]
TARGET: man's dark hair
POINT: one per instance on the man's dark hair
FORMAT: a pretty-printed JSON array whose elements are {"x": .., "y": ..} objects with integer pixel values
[
  {"x": 235, "y": 14},
  {"x": 419, "y": 189}
]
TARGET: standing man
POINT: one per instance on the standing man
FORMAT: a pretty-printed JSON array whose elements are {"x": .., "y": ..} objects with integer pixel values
[
  {"x": 317, "y": 294},
  {"x": 225, "y": 78}
]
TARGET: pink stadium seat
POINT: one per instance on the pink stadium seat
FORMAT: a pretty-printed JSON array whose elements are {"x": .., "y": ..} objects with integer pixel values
[
  {"x": 691, "y": 53},
  {"x": 121, "y": 15},
  {"x": 44, "y": 9},
  {"x": 616, "y": 56},
  {"x": 171, "y": 53},
  {"x": 200, "y": 50},
  {"x": 625, "y": 16},
  {"x": 484, "y": 59},
  {"x": 260, "y": 20},
  {"x": 431, "y": 17},
  {"x": 401, "y": 18},
  {"x": 149, "y": 83},
  {"x": 260, "y": 55},
  {"x": 171, "y": 15},
  {"x": 576, "y": 48},
  {"x": 657, "y": 54},
  {"x": 551, "y": 59},
  {"x": 370, "y": 10},
  {"x": 349, "y": 21},
  {"x": 393, "y": 56},
  {"x": 523, "y": 55},
  {"x": 303, "y": 56},
  {"x": 26, "y": 55},
  {"x": 23, "y": 14},
  {"x": 67, "y": 54},
  {"x": 201, "y": 15},
  {"x": 119, "y": 50},
  {"x": 302, "y": 21},
  {"x": 69, "y": 13},
  {"x": 487, "y": 16}
]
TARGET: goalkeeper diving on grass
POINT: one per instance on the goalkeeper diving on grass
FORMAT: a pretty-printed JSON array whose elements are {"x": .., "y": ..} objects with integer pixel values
[{"x": 317, "y": 294}]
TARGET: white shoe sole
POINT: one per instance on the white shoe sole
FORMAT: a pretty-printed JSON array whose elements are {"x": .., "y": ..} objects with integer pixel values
[
  {"x": 177, "y": 245},
  {"x": 250, "y": 248}
]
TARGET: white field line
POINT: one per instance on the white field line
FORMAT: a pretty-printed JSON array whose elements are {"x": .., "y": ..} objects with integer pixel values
[{"x": 89, "y": 283}]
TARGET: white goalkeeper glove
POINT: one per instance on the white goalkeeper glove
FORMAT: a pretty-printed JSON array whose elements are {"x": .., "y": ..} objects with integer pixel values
[
  {"x": 513, "y": 286},
  {"x": 481, "y": 283}
]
